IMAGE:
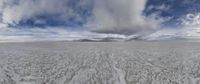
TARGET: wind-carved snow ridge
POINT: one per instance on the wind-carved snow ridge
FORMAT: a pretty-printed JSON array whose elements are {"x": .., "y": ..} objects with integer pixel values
[{"x": 100, "y": 63}]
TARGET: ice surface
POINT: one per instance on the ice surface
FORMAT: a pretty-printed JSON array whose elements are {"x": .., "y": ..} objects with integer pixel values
[{"x": 100, "y": 63}]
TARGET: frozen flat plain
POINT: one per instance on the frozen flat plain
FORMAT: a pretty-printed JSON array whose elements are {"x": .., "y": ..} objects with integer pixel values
[{"x": 134, "y": 62}]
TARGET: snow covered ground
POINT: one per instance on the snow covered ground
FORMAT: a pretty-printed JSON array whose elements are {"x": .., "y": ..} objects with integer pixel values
[{"x": 134, "y": 62}]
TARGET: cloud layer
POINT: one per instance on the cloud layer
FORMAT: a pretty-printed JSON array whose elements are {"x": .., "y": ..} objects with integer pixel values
[
  {"x": 115, "y": 16},
  {"x": 121, "y": 16},
  {"x": 54, "y": 19},
  {"x": 99, "y": 17},
  {"x": 40, "y": 11}
]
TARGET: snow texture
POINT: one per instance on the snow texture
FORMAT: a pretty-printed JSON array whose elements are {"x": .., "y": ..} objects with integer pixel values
[{"x": 100, "y": 63}]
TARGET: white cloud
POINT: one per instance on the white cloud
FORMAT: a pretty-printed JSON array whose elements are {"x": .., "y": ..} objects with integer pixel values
[
  {"x": 14, "y": 11},
  {"x": 191, "y": 20},
  {"x": 110, "y": 19},
  {"x": 159, "y": 8},
  {"x": 121, "y": 16},
  {"x": 52, "y": 34},
  {"x": 115, "y": 16},
  {"x": 189, "y": 29}
]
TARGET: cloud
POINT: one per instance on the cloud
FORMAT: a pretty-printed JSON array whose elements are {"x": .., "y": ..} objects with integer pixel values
[
  {"x": 115, "y": 16},
  {"x": 189, "y": 29},
  {"x": 108, "y": 19},
  {"x": 191, "y": 20},
  {"x": 15, "y": 11},
  {"x": 54, "y": 34},
  {"x": 122, "y": 16}
]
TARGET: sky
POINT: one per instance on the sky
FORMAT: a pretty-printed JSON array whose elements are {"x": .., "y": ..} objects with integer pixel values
[{"x": 35, "y": 20}]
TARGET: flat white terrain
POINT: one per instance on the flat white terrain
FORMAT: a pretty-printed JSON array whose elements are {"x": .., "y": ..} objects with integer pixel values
[{"x": 100, "y": 63}]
